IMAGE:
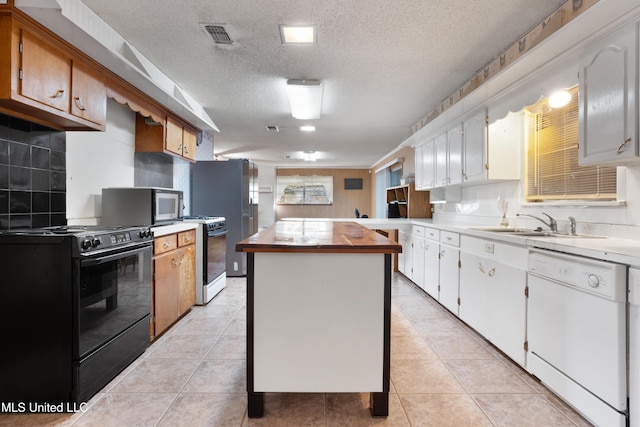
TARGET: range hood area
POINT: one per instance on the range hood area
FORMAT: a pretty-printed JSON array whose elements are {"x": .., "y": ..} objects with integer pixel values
[{"x": 77, "y": 24}]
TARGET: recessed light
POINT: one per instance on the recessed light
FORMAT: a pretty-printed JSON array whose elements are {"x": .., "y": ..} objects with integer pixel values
[
  {"x": 309, "y": 156},
  {"x": 298, "y": 34},
  {"x": 307, "y": 128}
]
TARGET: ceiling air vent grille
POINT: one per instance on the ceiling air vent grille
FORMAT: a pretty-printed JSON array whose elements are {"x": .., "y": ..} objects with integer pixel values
[{"x": 218, "y": 33}]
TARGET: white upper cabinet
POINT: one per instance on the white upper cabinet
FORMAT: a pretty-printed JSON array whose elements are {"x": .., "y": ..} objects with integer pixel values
[
  {"x": 454, "y": 142},
  {"x": 427, "y": 163},
  {"x": 475, "y": 142},
  {"x": 419, "y": 169},
  {"x": 442, "y": 166},
  {"x": 608, "y": 99}
]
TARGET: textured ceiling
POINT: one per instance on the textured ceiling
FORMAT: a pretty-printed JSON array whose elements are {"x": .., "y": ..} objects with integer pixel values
[{"x": 384, "y": 65}]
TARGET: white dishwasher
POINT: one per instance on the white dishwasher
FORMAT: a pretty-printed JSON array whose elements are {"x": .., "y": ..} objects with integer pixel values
[
  {"x": 577, "y": 335},
  {"x": 634, "y": 347}
]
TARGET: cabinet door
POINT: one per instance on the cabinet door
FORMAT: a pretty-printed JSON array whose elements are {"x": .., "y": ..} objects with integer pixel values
[
  {"x": 474, "y": 147},
  {"x": 420, "y": 184},
  {"x": 46, "y": 73},
  {"x": 429, "y": 163},
  {"x": 608, "y": 112},
  {"x": 167, "y": 271},
  {"x": 189, "y": 139},
  {"x": 449, "y": 278},
  {"x": 187, "y": 284},
  {"x": 88, "y": 94},
  {"x": 417, "y": 264},
  {"x": 441, "y": 160},
  {"x": 454, "y": 147},
  {"x": 431, "y": 267},
  {"x": 473, "y": 291},
  {"x": 173, "y": 136},
  {"x": 404, "y": 239}
]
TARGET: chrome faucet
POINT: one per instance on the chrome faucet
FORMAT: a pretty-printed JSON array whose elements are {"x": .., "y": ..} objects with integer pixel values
[
  {"x": 572, "y": 229},
  {"x": 552, "y": 224}
]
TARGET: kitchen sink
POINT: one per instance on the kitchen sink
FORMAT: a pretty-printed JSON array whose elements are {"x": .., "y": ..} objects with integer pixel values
[{"x": 528, "y": 232}]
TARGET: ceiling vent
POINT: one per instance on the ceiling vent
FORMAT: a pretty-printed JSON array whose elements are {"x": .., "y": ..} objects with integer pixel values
[
  {"x": 218, "y": 33},
  {"x": 273, "y": 128}
]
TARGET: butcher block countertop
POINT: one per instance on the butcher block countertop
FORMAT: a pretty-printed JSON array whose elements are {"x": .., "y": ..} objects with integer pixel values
[{"x": 318, "y": 236}]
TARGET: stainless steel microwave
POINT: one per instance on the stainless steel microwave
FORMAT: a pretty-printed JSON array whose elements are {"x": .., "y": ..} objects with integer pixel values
[{"x": 141, "y": 205}]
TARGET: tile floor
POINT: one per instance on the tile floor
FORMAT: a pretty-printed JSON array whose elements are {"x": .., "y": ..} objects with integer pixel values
[{"x": 442, "y": 374}]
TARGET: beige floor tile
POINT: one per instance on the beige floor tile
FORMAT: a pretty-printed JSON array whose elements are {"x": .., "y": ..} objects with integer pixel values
[
  {"x": 201, "y": 326},
  {"x": 127, "y": 409},
  {"x": 456, "y": 345},
  {"x": 205, "y": 410},
  {"x": 566, "y": 410},
  {"x": 437, "y": 326},
  {"x": 400, "y": 325},
  {"x": 524, "y": 410},
  {"x": 179, "y": 346},
  {"x": 223, "y": 312},
  {"x": 237, "y": 326},
  {"x": 411, "y": 347},
  {"x": 424, "y": 311},
  {"x": 157, "y": 376},
  {"x": 353, "y": 410},
  {"x": 291, "y": 410},
  {"x": 443, "y": 410},
  {"x": 229, "y": 347},
  {"x": 30, "y": 420},
  {"x": 423, "y": 376},
  {"x": 487, "y": 376},
  {"x": 218, "y": 376}
]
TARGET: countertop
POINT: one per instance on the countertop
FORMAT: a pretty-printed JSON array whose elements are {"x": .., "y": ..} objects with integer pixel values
[
  {"x": 318, "y": 236},
  {"x": 176, "y": 227},
  {"x": 623, "y": 251}
]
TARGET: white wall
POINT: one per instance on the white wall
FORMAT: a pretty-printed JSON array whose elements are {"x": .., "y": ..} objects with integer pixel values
[{"x": 99, "y": 159}]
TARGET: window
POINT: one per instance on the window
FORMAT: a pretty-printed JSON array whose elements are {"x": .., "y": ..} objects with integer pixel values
[
  {"x": 395, "y": 174},
  {"x": 553, "y": 172}
]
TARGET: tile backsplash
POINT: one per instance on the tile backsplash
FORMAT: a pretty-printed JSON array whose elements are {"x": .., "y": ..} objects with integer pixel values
[{"x": 32, "y": 175}]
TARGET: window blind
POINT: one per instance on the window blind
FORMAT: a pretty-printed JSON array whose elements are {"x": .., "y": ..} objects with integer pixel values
[{"x": 553, "y": 172}]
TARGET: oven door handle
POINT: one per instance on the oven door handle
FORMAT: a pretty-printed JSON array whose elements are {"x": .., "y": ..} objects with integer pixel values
[
  {"x": 88, "y": 262},
  {"x": 217, "y": 233}
]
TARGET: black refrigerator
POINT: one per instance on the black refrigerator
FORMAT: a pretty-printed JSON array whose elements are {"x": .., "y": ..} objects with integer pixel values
[{"x": 229, "y": 189}]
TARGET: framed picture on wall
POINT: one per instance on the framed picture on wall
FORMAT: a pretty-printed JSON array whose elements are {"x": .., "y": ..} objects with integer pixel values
[{"x": 304, "y": 190}]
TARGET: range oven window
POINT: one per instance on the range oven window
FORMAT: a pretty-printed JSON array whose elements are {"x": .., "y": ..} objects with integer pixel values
[
  {"x": 112, "y": 293},
  {"x": 216, "y": 255}
]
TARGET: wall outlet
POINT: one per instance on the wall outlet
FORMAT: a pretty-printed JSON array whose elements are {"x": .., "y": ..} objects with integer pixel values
[{"x": 235, "y": 266}]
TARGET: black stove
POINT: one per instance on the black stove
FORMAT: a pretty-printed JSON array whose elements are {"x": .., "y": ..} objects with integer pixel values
[
  {"x": 91, "y": 239},
  {"x": 212, "y": 223}
]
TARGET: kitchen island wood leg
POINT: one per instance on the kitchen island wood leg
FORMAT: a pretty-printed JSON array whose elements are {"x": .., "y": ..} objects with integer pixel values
[
  {"x": 379, "y": 402},
  {"x": 255, "y": 405}
]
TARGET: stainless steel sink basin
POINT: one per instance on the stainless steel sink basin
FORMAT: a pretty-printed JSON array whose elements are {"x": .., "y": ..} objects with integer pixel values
[{"x": 527, "y": 232}]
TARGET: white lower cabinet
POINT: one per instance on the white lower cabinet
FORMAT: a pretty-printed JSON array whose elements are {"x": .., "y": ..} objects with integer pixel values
[
  {"x": 417, "y": 267},
  {"x": 431, "y": 261},
  {"x": 493, "y": 298},
  {"x": 449, "y": 267},
  {"x": 404, "y": 239}
]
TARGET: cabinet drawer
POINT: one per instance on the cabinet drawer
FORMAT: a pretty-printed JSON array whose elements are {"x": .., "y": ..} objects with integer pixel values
[
  {"x": 432, "y": 233},
  {"x": 513, "y": 255},
  {"x": 187, "y": 238},
  {"x": 165, "y": 244},
  {"x": 450, "y": 238},
  {"x": 417, "y": 230}
]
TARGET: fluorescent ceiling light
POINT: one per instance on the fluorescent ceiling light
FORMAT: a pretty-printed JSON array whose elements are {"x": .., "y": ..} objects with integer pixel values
[
  {"x": 307, "y": 128},
  {"x": 305, "y": 98},
  {"x": 298, "y": 34},
  {"x": 309, "y": 156},
  {"x": 559, "y": 99}
]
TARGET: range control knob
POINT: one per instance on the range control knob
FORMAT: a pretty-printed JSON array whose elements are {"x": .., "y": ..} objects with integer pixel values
[
  {"x": 593, "y": 281},
  {"x": 142, "y": 233},
  {"x": 86, "y": 244},
  {"x": 95, "y": 242}
]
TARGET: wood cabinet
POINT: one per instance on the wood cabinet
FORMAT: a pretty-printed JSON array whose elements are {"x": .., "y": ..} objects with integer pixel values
[
  {"x": 608, "y": 107},
  {"x": 174, "y": 283},
  {"x": 43, "y": 82},
  {"x": 171, "y": 137},
  {"x": 492, "y": 293},
  {"x": 409, "y": 202}
]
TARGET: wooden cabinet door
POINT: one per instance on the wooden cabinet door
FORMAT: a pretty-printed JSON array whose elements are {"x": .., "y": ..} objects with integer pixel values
[
  {"x": 46, "y": 73},
  {"x": 167, "y": 272},
  {"x": 189, "y": 139},
  {"x": 475, "y": 141},
  {"x": 88, "y": 94},
  {"x": 173, "y": 136},
  {"x": 608, "y": 99},
  {"x": 187, "y": 291}
]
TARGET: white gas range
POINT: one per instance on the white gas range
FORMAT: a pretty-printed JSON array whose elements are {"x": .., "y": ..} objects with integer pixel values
[{"x": 211, "y": 237}]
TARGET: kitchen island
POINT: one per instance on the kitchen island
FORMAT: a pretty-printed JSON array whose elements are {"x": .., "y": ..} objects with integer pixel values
[{"x": 318, "y": 311}]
